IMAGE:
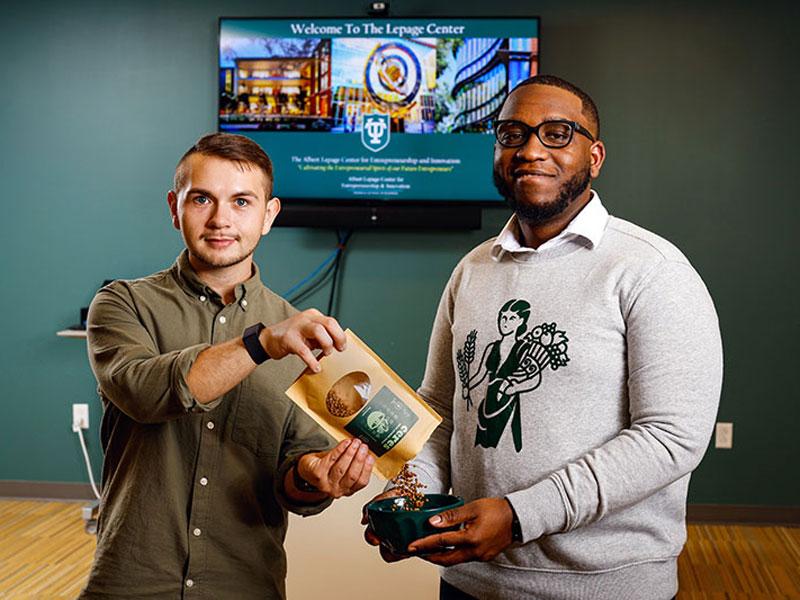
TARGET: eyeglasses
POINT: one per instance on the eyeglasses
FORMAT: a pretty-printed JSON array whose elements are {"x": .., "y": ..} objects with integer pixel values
[{"x": 553, "y": 134}]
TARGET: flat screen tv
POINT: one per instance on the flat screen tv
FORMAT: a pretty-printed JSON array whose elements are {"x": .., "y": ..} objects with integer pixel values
[{"x": 374, "y": 121}]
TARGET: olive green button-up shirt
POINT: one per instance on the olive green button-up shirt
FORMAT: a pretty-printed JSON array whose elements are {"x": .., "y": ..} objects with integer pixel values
[{"x": 193, "y": 505}]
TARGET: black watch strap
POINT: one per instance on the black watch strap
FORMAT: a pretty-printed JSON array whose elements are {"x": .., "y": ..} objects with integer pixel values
[
  {"x": 300, "y": 483},
  {"x": 253, "y": 344},
  {"x": 516, "y": 528}
]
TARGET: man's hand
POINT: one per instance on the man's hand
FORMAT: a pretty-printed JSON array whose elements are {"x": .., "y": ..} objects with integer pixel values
[
  {"x": 338, "y": 472},
  {"x": 486, "y": 533},
  {"x": 301, "y": 334},
  {"x": 374, "y": 540}
]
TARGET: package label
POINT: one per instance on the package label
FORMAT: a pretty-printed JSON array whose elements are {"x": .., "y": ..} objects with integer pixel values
[{"x": 383, "y": 422}]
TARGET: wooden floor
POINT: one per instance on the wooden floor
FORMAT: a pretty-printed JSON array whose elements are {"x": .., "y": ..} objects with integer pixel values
[
  {"x": 740, "y": 561},
  {"x": 45, "y": 553}
]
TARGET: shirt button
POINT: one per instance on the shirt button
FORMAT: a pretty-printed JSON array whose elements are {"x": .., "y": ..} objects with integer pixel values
[
  {"x": 222, "y": 320},
  {"x": 196, "y": 532},
  {"x": 244, "y": 302},
  {"x": 203, "y": 481},
  {"x": 202, "y": 299},
  {"x": 189, "y": 583},
  {"x": 210, "y": 424}
]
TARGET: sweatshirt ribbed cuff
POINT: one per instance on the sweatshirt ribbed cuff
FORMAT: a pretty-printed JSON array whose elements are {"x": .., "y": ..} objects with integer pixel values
[{"x": 540, "y": 509}]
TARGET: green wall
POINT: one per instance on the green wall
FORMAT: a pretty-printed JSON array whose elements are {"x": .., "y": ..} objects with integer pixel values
[{"x": 700, "y": 121}]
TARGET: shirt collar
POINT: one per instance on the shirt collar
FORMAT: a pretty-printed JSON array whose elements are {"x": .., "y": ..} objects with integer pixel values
[
  {"x": 192, "y": 284},
  {"x": 589, "y": 225}
]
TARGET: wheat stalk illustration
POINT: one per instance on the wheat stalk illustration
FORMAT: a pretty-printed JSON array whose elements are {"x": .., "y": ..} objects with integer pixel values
[{"x": 464, "y": 358}]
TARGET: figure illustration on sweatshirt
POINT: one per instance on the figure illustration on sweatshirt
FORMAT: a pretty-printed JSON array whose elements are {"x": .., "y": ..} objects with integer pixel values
[{"x": 514, "y": 365}]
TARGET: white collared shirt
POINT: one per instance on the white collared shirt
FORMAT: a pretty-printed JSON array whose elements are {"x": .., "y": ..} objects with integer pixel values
[{"x": 589, "y": 224}]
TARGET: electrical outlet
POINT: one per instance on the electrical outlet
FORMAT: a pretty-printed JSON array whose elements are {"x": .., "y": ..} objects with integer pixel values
[
  {"x": 80, "y": 416},
  {"x": 724, "y": 435}
]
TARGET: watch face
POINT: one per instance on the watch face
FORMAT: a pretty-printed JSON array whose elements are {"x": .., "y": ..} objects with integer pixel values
[
  {"x": 301, "y": 484},
  {"x": 253, "y": 345},
  {"x": 254, "y": 329},
  {"x": 516, "y": 530}
]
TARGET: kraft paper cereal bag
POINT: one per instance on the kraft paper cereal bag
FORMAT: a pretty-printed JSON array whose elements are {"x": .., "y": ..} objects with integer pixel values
[{"x": 357, "y": 395}]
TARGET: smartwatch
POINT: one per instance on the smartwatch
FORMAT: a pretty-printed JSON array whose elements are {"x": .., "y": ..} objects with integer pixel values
[
  {"x": 300, "y": 483},
  {"x": 253, "y": 345}
]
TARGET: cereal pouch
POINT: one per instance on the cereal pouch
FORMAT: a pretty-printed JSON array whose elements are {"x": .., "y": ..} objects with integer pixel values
[{"x": 357, "y": 395}]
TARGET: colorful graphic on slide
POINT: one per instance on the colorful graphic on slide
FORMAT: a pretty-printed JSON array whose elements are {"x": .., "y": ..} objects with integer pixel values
[
  {"x": 425, "y": 85},
  {"x": 388, "y": 76}
]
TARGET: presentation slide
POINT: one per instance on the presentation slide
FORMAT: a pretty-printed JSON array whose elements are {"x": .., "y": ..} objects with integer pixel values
[{"x": 374, "y": 109}]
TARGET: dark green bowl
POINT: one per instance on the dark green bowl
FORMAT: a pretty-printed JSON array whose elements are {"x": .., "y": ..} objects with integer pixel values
[{"x": 397, "y": 527}]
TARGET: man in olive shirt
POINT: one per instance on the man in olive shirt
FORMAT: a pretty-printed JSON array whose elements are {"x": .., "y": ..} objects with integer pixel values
[{"x": 204, "y": 453}]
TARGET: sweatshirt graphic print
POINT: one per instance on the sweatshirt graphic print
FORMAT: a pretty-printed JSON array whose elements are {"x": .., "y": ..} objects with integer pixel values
[{"x": 514, "y": 365}]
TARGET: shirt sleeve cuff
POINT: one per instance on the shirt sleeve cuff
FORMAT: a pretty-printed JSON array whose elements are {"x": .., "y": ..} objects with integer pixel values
[
  {"x": 180, "y": 371},
  {"x": 540, "y": 509},
  {"x": 304, "y": 510}
]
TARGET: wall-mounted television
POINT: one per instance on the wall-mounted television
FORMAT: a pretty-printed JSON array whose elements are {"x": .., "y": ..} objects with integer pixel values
[{"x": 374, "y": 121}]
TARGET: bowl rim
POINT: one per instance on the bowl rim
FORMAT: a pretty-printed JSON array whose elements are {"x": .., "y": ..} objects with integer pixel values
[{"x": 376, "y": 506}]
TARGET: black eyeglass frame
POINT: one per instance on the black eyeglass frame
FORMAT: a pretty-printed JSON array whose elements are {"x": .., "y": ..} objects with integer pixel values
[{"x": 573, "y": 127}]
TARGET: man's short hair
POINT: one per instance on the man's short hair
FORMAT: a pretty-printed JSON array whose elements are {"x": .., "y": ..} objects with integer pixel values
[
  {"x": 227, "y": 146},
  {"x": 588, "y": 107}
]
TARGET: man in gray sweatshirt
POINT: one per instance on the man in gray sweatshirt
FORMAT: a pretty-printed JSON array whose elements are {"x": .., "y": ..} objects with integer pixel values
[{"x": 577, "y": 364}]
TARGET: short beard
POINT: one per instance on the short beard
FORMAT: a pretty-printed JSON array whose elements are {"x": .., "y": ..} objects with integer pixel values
[
  {"x": 535, "y": 214},
  {"x": 211, "y": 261}
]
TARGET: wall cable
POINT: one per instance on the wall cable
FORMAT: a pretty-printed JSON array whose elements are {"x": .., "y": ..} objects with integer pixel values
[
  {"x": 79, "y": 431},
  {"x": 330, "y": 266}
]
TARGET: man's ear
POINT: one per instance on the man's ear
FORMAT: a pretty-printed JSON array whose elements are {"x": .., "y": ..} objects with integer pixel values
[
  {"x": 273, "y": 208},
  {"x": 598, "y": 157},
  {"x": 172, "y": 200}
]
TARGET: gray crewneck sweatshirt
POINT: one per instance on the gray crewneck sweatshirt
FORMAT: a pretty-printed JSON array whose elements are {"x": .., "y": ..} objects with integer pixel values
[{"x": 582, "y": 383}]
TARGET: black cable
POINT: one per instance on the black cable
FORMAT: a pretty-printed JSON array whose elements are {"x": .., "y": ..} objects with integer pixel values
[
  {"x": 315, "y": 286},
  {"x": 333, "y": 284},
  {"x": 331, "y": 273},
  {"x": 343, "y": 239},
  {"x": 322, "y": 278}
]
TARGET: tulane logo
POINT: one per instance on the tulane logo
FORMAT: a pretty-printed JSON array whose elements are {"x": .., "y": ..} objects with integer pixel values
[{"x": 375, "y": 132}]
